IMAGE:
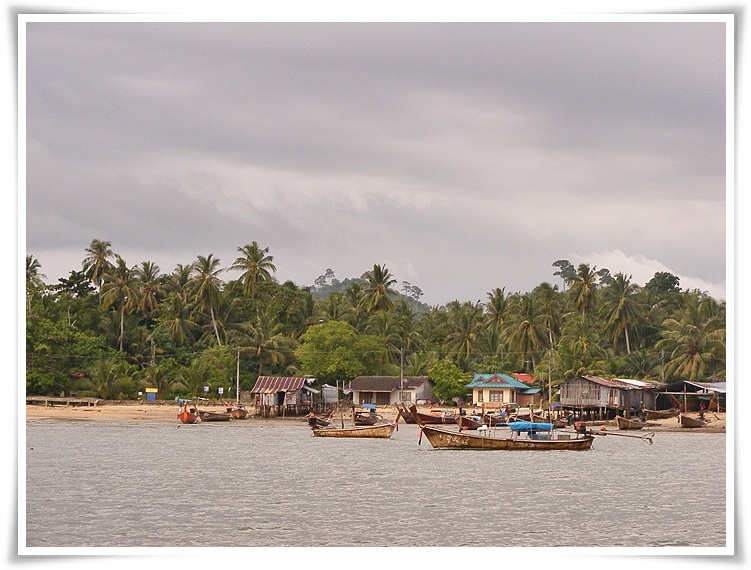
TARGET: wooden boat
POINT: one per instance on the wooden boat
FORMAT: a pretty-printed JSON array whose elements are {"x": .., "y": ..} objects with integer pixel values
[
  {"x": 688, "y": 422},
  {"x": 543, "y": 420},
  {"x": 538, "y": 437},
  {"x": 469, "y": 422},
  {"x": 661, "y": 414},
  {"x": 379, "y": 431},
  {"x": 404, "y": 414},
  {"x": 187, "y": 415},
  {"x": 626, "y": 423},
  {"x": 238, "y": 412},
  {"x": 207, "y": 416},
  {"x": 315, "y": 421},
  {"x": 421, "y": 418},
  {"x": 367, "y": 416}
]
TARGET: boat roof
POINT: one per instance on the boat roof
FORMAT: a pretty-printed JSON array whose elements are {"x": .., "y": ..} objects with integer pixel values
[
  {"x": 529, "y": 426},
  {"x": 710, "y": 386}
]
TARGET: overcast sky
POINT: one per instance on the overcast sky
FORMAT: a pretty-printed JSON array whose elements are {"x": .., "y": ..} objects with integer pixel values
[{"x": 463, "y": 156}]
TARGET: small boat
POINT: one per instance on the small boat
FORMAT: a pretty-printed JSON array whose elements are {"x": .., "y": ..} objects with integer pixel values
[
  {"x": 543, "y": 420},
  {"x": 688, "y": 422},
  {"x": 315, "y": 421},
  {"x": 367, "y": 416},
  {"x": 469, "y": 422},
  {"x": 626, "y": 423},
  {"x": 187, "y": 415},
  {"x": 661, "y": 414},
  {"x": 379, "y": 431},
  {"x": 432, "y": 418},
  {"x": 404, "y": 414},
  {"x": 538, "y": 437},
  {"x": 238, "y": 412},
  {"x": 207, "y": 416}
]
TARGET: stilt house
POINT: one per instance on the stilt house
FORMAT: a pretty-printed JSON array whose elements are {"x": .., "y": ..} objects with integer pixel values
[
  {"x": 283, "y": 395},
  {"x": 604, "y": 398}
]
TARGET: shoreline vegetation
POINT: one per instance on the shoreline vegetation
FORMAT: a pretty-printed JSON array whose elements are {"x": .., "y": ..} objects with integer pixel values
[{"x": 166, "y": 412}]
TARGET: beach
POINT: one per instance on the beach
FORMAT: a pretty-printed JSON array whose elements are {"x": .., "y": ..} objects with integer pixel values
[{"x": 166, "y": 412}]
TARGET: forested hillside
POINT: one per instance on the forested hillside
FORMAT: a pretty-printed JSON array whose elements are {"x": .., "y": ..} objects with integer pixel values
[{"x": 110, "y": 328}]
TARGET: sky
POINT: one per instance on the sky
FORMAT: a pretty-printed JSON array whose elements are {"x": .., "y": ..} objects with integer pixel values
[{"x": 463, "y": 156}]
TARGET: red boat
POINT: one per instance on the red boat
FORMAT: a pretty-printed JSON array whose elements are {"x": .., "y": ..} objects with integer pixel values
[
  {"x": 188, "y": 415},
  {"x": 435, "y": 418}
]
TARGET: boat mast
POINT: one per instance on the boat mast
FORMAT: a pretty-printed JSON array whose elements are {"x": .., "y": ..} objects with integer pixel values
[{"x": 237, "y": 389}]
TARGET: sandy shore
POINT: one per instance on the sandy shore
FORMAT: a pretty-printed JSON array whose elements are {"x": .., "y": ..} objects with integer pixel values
[{"x": 166, "y": 412}]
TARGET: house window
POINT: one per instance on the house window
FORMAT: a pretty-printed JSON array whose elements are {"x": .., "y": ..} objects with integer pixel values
[
  {"x": 496, "y": 395},
  {"x": 406, "y": 396}
]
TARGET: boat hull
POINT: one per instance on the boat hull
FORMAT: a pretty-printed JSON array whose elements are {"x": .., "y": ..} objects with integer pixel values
[
  {"x": 625, "y": 423},
  {"x": 441, "y": 438},
  {"x": 383, "y": 431},
  {"x": 239, "y": 413},
  {"x": 661, "y": 414},
  {"x": 187, "y": 415},
  {"x": 687, "y": 422},
  {"x": 214, "y": 416}
]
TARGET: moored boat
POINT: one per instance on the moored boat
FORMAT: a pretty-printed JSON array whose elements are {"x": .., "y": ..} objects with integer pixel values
[
  {"x": 538, "y": 437},
  {"x": 404, "y": 414},
  {"x": 208, "y": 416},
  {"x": 688, "y": 422},
  {"x": 315, "y": 421},
  {"x": 543, "y": 420},
  {"x": 433, "y": 418},
  {"x": 187, "y": 415},
  {"x": 238, "y": 412},
  {"x": 469, "y": 422},
  {"x": 367, "y": 416},
  {"x": 662, "y": 414},
  {"x": 379, "y": 431},
  {"x": 627, "y": 423}
]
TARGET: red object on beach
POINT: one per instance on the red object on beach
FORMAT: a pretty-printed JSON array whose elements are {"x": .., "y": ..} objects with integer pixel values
[{"x": 187, "y": 416}]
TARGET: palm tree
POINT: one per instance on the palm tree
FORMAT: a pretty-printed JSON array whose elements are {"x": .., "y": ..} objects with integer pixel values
[
  {"x": 96, "y": 262},
  {"x": 696, "y": 347},
  {"x": 466, "y": 326},
  {"x": 583, "y": 288},
  {"x": 206, "y": 288},
  {"x": 255, "y": 265},
  {"x": 118, "y": 287},
  {"x": 579, "y": 348},
  {"x": 527, "y": 332},
  {"x": 174, "y": 319},
  {"x": 377, "y": 289},
  {"x": 621, "y": 309},
  {"x": 149, "y": 289},
  {"x": 105, "y": 377},
  {"x": 33, "y": 279},
  {"x": 264, "y": 340}
]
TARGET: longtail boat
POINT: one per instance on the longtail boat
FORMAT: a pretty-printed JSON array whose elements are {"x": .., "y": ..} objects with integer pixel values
[
  {"x": 662, "y": 414},
  {"x": 544, "y": 420},
  {"x": 187, "y": 415},
  {"x": 238, "y": 412},
  {"x": 421, "y": 418},
  {"x": 688, "y": 422},
  {"x": 627, "y": 423},
  {"x": 207, "y": 416},
  {"x": 315, "y": 421},
  {"x": 404, "y": 414},
  {"x": 380, "y": 431},
  {"x": 469, "y": 422},
  {"x": 537, "y": 438}
]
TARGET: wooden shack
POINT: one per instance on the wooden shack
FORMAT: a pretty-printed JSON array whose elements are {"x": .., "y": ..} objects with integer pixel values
[
  {"x": 284, "y": 395},
  {"x": 593, "y": 397},
  {"x": 689, "y": 396}
]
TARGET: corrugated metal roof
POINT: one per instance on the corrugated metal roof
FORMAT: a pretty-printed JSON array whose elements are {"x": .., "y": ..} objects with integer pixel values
[
  {"x": 624, "y": 383},
  {"x": 275, "y": 384},
  {"x": 385, "y": 383},
  {"x": 710, "y": 386}
]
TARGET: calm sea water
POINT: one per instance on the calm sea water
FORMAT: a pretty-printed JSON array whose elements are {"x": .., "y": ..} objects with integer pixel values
[{"x": 244, "y": 484}]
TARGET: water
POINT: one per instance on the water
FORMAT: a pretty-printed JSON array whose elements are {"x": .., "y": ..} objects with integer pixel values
[{"x": 251, "y": 483}]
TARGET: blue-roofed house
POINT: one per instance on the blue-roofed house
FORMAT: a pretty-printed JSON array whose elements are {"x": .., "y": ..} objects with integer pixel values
[{"x": 502, "y": 389}]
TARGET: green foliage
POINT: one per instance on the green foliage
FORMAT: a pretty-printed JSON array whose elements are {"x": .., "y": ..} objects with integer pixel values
[
  {"x": 449, "y": 380},
  {"x": 335, "y": 351}
]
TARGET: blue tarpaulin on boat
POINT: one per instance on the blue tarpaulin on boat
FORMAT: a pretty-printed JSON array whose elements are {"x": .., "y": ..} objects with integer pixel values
[{"x": 529, "y": 426}]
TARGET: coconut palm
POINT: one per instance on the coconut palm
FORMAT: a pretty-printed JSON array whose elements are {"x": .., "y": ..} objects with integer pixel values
[
  {"x": 33, "y": 279},
  {"x": 205, "y": 287},
  {"x": 255, "y": 264},
  {"x": 119, "y": 287},
  {"x": 263, "y": 340},
  {"x": 527, "y": 333},
  {"x": 465, "y": 321},
  {"x": 621, "y": 310},
  {"x": 96, "y": 262},
  {"x": 377, "y": 289},
  {"x": 175, "y": 320},
  {"x": 583, "y": 288},
  {"x": 149, "y": 288},
  {"x": 106, "y": 377}
]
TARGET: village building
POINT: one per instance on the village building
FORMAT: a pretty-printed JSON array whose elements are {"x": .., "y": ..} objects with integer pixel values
[
  {"x": 283, "y": 395},
  {"x": 690, "y": 396},
  {"x": 499, "y": 389},
  {"x": 604, "y": 398},
  {"x": 385, "y": 390}
]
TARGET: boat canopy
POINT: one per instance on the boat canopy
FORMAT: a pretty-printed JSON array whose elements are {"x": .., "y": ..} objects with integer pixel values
[
  {"x": 529, "y": 426},
  {"x": 369, "y": 406}
]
